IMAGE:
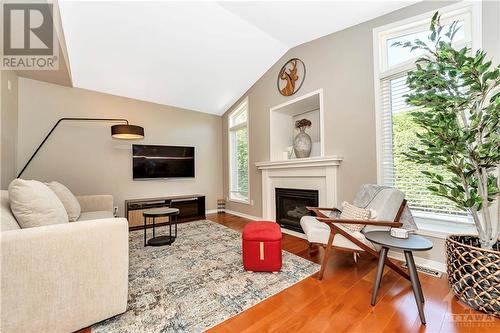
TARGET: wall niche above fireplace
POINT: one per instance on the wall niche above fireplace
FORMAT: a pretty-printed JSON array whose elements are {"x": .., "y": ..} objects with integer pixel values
[
  {"x": 291, "y": 206},
  {"x": 283, "y": 131}
]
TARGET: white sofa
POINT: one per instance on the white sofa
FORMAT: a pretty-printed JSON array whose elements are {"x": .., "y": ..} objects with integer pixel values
[{"x": 63, "y": 277}]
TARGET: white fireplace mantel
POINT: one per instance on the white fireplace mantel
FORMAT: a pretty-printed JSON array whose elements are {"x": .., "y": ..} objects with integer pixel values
[
  {"x": 315, "y": 173},
  {"x": 312, "y": 162}
]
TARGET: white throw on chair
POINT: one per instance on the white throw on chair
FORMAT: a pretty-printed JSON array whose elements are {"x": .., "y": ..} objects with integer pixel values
[{"x": 329, "y": 230}]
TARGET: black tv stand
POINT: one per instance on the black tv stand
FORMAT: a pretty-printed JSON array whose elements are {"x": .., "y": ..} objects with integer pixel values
[{"x": 191, "y": 208}]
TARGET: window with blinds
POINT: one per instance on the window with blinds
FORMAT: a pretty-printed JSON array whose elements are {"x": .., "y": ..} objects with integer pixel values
[
  {"x": 396, "y": 130},
  {"x": 398, "y": 133},
  {"x": 238, "y": 153}
]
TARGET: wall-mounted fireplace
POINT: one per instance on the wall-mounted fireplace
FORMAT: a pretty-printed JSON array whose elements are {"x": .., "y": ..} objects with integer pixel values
[{"x": 291, "y": 206}]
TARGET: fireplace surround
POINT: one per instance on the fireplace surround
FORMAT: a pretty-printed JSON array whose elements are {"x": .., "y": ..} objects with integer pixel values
[
  {"x": 291, "y": 205},
  {"x": 313, "y": 173}
]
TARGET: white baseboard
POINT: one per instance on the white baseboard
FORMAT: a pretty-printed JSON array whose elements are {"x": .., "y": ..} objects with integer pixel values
[
  {"x": 427, "y": 263},
  {"x": 211, "y": 211},
  {"x": 250, "y": 217}
]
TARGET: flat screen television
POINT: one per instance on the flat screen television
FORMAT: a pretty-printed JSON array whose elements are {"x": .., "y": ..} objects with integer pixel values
[{"x": 150, "y": 161}]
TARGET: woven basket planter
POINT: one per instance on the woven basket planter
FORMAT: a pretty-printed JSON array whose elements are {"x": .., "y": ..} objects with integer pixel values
[{"x": 474, "y": 273}]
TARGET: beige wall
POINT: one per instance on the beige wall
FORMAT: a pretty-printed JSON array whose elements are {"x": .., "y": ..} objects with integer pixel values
[
  {"x": 9, "y": 113},
  {"x": 85, "y": 157},
  {"x": 342, "y": 64}
]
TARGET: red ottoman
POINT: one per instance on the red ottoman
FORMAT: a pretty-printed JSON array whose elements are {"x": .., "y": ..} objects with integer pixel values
[{"x": 262, "y": 247}]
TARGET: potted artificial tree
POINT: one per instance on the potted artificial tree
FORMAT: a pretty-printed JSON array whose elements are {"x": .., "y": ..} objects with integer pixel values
[{"x": 457, "y": 95}]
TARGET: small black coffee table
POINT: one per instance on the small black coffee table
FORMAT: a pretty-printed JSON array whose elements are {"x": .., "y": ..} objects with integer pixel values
[
  {"x": 408, "y": 245},
  {"x": 153, "y": 213}
]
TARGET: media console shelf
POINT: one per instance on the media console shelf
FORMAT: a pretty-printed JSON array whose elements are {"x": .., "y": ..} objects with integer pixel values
[{"x": 191, "y": 207}]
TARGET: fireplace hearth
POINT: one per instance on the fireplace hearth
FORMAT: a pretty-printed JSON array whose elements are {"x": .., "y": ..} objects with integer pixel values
[{"x": 291, "y": 206}]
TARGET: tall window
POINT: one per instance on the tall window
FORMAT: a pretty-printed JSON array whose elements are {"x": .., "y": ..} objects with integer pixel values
[
  {"x": 238, "y": 153},
  {"x": 396, "y": 131}
]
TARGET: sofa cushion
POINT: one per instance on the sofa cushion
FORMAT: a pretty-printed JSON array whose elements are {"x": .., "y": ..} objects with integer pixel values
[
  {"x": 97, "y": 215},
  {"x": 34, "y": 204},
  {"x": 68, "y": 200},
  {"x": 7, "y": 219}
]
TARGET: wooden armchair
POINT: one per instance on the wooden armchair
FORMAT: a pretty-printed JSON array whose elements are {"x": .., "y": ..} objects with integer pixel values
[{"x": 329, "y": 231}]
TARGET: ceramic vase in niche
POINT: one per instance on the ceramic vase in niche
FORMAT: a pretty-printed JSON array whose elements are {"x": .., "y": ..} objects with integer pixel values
[{"x": 302, "y": 143}]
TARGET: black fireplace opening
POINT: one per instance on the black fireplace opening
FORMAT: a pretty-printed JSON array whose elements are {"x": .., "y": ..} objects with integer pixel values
[{"x": 291, "y": 206}]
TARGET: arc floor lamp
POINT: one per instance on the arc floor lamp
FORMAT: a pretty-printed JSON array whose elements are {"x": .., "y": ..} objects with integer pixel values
[{"x": 124, "y": 131}]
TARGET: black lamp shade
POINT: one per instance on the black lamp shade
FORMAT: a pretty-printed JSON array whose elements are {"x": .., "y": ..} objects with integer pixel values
[{"x": 127, "y": 132}]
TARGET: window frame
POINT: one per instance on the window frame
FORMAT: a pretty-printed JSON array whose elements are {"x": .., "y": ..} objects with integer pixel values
[
  {"x": 414, "y": 27},
  {"x": 468, "y": 12},
  {"x": 230, "y": 128}
]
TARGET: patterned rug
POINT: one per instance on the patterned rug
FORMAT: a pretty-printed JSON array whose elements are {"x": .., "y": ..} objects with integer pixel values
[{"x": 197, "y": 282}]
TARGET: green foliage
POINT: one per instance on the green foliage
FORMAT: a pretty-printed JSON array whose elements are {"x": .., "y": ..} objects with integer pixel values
[
  {"x": 459, "y": 115},
  {"x": 242, "y": 158},
  {"x": 408, "y": 176}
]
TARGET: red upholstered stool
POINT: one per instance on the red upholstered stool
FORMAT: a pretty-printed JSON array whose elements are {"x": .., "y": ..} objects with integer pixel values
[{"x": 262, "y": 247}]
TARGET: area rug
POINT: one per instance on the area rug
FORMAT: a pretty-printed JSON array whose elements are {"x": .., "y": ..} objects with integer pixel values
[{"x": 197, "y": 282}]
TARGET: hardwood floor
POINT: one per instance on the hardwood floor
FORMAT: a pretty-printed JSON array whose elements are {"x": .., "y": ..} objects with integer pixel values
[{"x": 341, "y": 301}]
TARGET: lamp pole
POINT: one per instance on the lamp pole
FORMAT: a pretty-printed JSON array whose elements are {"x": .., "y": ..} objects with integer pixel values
[{"x": 68, "y": 119}]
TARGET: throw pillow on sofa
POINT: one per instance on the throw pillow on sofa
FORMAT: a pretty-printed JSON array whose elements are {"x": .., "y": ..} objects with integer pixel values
[
  {"x": 35, "y": 205},
  {"x": 68, "y": 200}
]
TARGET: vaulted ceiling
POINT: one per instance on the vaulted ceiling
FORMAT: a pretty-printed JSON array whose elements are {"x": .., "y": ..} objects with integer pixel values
[{"x": 195, "y": 55}]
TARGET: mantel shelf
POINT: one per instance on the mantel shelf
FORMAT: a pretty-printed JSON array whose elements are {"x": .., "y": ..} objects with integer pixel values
[{"x": 310, "y": 162}]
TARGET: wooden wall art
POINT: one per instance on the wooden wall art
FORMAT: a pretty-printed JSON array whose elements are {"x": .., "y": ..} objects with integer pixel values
[{"x": 291, "y": 77}]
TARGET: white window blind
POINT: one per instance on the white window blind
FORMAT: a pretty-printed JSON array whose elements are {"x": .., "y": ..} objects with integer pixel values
[{"x": 398, "y": 134}]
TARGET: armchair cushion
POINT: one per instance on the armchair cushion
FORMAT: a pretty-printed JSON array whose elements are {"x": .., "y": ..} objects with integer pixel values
[
  {"x": 386, "y": 203},
  {"x": 318, "y": 232}
]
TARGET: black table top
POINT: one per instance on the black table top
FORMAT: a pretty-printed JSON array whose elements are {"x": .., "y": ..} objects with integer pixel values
[
  {"x": 412, "y": 243},
  {"x": 159, "y": 212}
]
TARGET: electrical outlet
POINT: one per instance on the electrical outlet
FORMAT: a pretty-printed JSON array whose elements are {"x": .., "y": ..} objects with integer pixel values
[
  {"x": 115, "y": 211},
  {"x": 9, "y": 85},
  {"x": 251, "y": 202}
]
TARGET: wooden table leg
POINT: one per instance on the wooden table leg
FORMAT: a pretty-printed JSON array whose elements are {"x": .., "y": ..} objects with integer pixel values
[
  {"x": 415, "y": 283},
  {"x": 380, "y": 272}
]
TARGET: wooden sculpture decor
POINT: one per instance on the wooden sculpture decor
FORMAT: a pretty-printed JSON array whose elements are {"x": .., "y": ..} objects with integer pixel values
[{"x": 291, "y": 77}]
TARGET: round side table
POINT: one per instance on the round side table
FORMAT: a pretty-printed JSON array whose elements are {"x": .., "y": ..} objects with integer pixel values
[
  {"x": 407, "y": 245},
  {"x": 153, "y": 213}
]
